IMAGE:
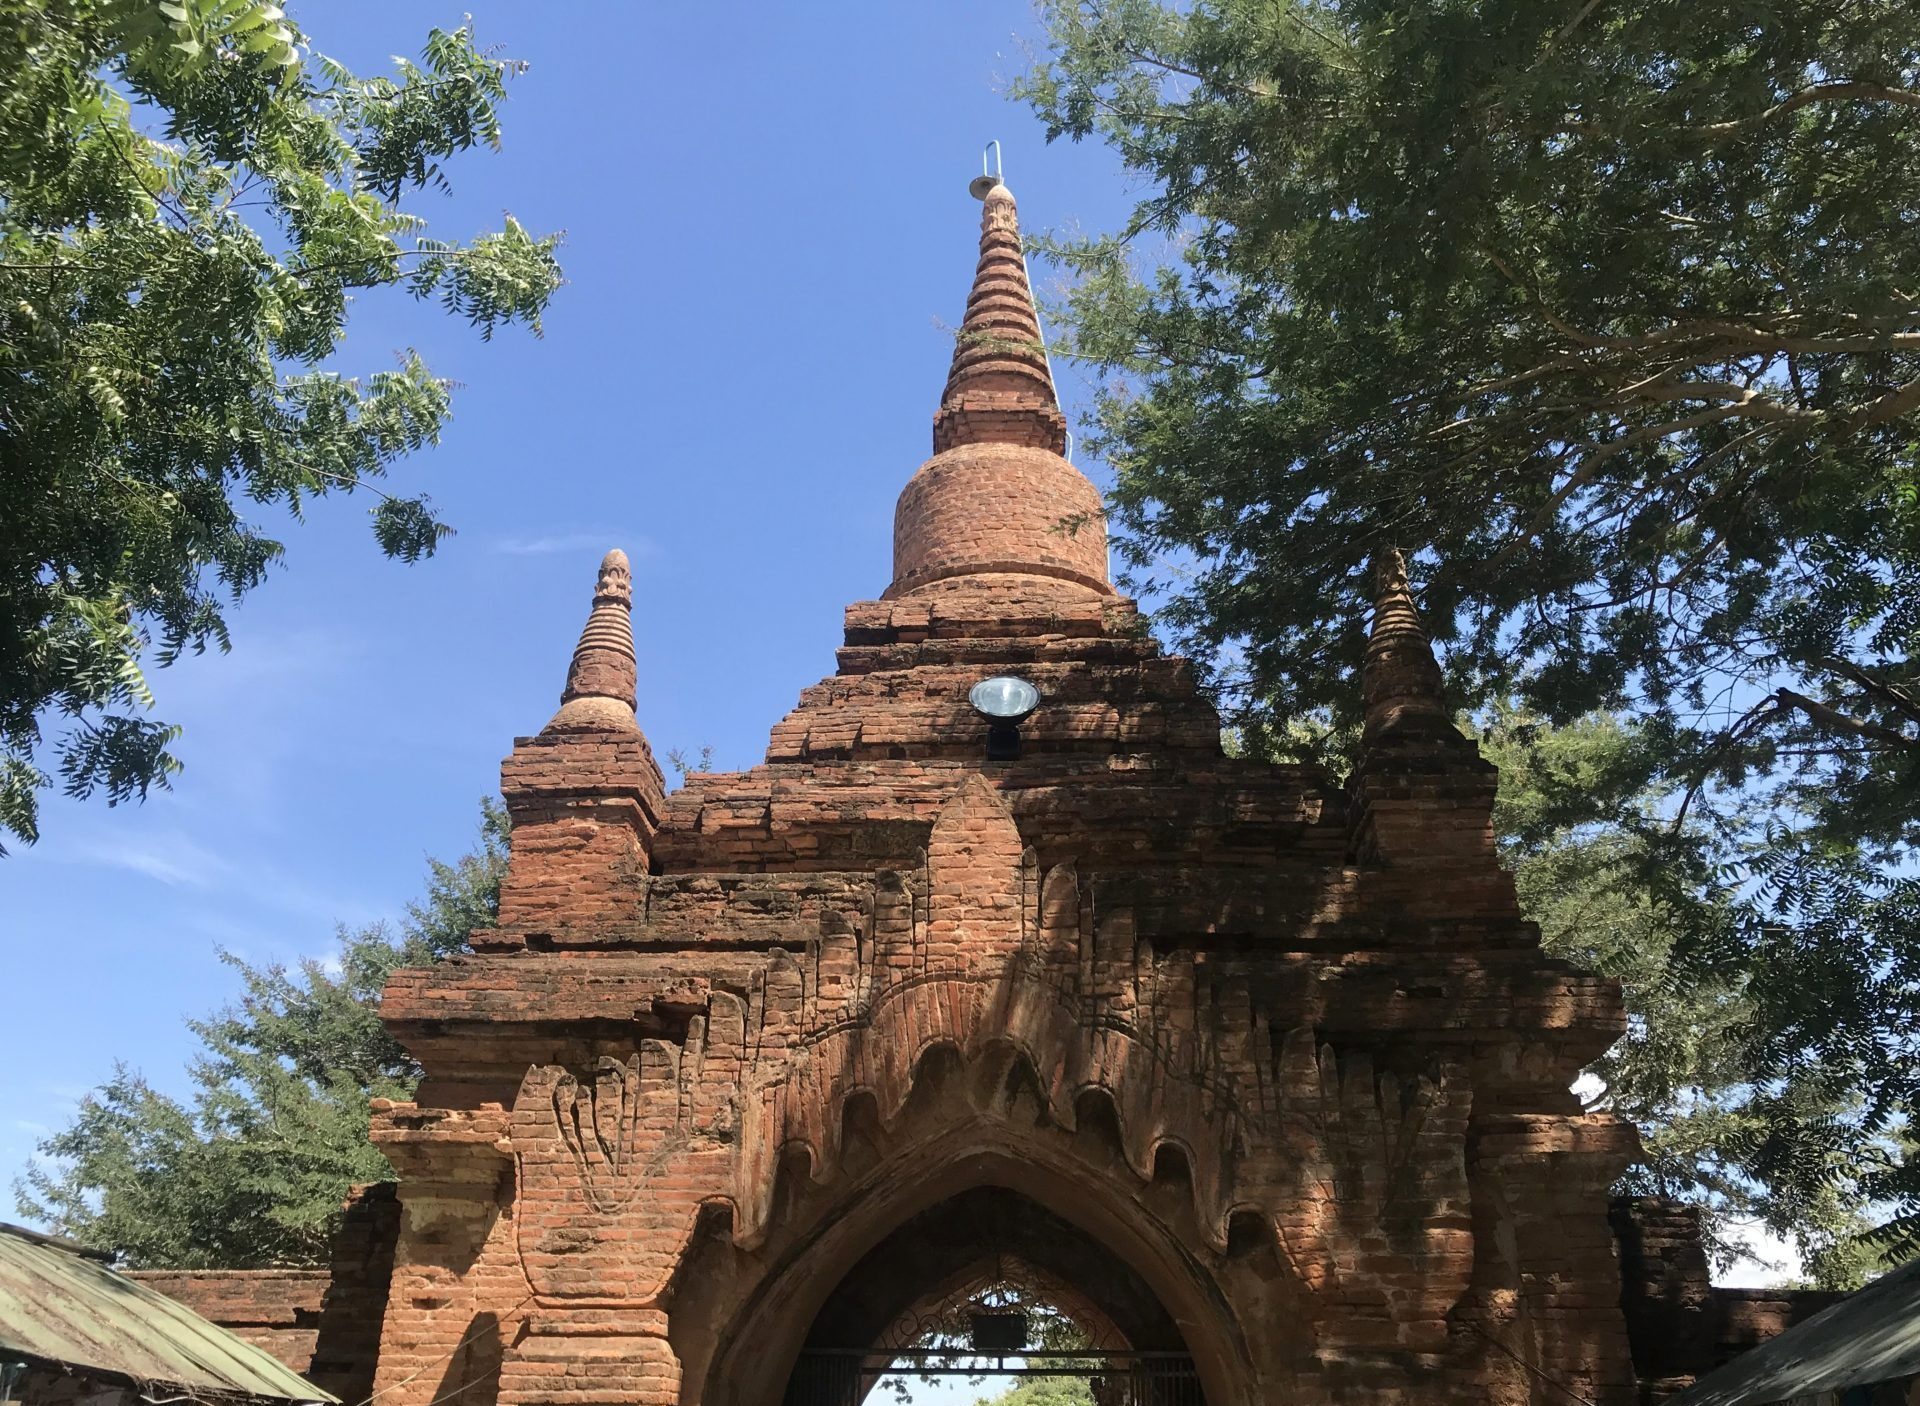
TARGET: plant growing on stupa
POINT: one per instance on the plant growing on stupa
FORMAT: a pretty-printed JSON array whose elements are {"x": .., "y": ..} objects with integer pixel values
[
  {"x": 189, "y": 200},
  {"x": 1609, "y": 314}
]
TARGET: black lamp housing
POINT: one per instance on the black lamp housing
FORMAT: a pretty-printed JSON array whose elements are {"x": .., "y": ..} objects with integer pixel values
[
  {"x": 1005, "y": 702},
  {"x": 998, "y": 1332}
]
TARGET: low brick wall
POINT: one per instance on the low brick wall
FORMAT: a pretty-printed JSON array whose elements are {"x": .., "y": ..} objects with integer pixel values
[
  {"x": 1680, "y": 1326},
  {"x": 322, "y": 1323},
  {"x": 277, "y": 1310},
  {"x": 355, "y": 1305},
  {"x": 1745, "y": 1318}
]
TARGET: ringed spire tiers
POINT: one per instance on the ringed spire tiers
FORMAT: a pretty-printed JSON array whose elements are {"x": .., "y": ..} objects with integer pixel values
[
  {"x": 999, "y": 505},
  {"x": 1000, "y": 387},
  {"x": 1402, "y": 683},
  {"x": 602, "y": 677}
]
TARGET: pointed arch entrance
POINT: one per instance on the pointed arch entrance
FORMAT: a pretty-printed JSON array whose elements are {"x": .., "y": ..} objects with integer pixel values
[
  {"x": 960, "y": 1192},
  {"x": 1066, "y": 1304}
]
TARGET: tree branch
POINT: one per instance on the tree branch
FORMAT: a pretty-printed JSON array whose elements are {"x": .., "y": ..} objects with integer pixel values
[
  {"x": 1724, "y": 334},
  {"x": 1890, "y": 694},
  {"x": 1574, "y": 23},
  {"x": 1848, "y": 91},
  {"x": 1740, "y": 402},
  {"x": 1832, "y": 717},
  {"x": 1891, "y": 406},
  {"x": 1753, "y": 717}
]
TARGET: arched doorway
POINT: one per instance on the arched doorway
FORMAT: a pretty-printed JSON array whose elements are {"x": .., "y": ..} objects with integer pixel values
[
  {"x": 971, "y": 1175},
  {"x": 854, "y": 1266},
  {"x": 989, "y": 1284}
]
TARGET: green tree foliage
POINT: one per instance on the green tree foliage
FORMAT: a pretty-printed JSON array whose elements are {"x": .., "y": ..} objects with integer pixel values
[
  {"x": 252, "y": 1170},
  {"x": 1589, "y": 839},
  {"x": 1045, "y": 1391},
  {"x": 1608, "y": 313},
  {"x": 949, "y": 1333},
  {"x": 188, "y": 202}
]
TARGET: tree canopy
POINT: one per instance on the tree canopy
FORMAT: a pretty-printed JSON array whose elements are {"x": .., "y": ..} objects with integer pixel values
[
  {"x": 1608, "y": 314},
  {"x": 252, "y": 1170},
  {"x": 1588, "y": 838},
  {"x": 189, "y": 199},
  {"x": 1045, "y": 1391},
  {"x": 949, "y": 1331}
]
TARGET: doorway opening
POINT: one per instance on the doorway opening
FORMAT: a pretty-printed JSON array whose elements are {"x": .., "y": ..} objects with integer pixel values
[{"x": 988, "y": 1296}]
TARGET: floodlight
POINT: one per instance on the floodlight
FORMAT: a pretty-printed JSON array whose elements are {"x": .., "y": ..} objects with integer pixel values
[{"x": 1005, "y": 702}]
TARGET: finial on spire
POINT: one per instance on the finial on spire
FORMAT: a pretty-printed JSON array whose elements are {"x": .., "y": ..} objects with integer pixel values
[
  {"x": 1000, "y": 387},
  {"x": 601, "y": 680},
  {"x": 986, "y": 180},
  {"x": 1401, "y": 679}
]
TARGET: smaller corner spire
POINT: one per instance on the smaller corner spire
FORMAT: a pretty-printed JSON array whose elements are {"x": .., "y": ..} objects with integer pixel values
[
  {"x": 601, "y": 680},
  {"x": 1401, "y": 680},
  {"x": 1000, "y": 385},
  {"x": 1421, "y": 797}
]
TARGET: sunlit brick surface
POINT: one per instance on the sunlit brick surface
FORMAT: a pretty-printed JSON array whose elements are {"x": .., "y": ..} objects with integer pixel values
[{"x": 1278, "y": 1044}]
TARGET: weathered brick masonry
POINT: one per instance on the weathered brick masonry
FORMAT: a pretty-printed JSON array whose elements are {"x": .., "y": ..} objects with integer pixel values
[
  {"x": 1239, "y": 1060},
  {"x": 1240, "y": 1049},
  {"x": 1680, "y": 1325},
  {"x": 323, "y": 1323},
  {"x": 277, "y": 1310}
]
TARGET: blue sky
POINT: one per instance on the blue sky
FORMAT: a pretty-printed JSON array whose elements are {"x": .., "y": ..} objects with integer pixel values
[{"x": 768, "y": 235}]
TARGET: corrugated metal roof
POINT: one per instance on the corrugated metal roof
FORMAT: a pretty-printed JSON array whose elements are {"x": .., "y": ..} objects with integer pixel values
[
  {"x": 65, "y": 1307},
  {"x": 1870, "y": 1336}
]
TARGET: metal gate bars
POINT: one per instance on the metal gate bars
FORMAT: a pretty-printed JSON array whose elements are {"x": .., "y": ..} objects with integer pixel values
[{"x": 845, "y": 1376}]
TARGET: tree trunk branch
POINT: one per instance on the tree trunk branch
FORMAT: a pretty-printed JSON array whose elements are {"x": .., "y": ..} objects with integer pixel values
[
  {"x": 1830, "y": 716},
  {"x": 1819, "y": 93}
]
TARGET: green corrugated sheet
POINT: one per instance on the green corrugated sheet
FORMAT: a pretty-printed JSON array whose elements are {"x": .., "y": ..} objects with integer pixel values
[
  {"x": 65, "y": 1307},
  {"x": 1870, "y": 1336}
]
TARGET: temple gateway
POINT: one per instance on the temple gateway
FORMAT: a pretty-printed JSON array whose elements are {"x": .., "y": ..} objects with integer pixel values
[
  {"x": 999, "y": 971},
  {"x": 1261, "y": 1069}
]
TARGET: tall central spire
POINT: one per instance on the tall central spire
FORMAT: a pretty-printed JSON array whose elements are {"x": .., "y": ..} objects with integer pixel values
[
  {"x": 1000, "y": 388},
  {"x": 998, "y": 507}
]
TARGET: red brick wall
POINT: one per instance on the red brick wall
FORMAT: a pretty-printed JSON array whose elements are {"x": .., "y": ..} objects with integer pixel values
[
  {"x": 277, "y": 1310},
  {"x": 1680, "y": 1325},
  {"x": 999, "y": 507},
  {"x": 1285, "y": 1046},
  {"x": 322, "y": 1323}
]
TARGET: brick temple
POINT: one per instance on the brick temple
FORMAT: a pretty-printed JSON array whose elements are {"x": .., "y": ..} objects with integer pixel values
[{"x": 1256, "y": 1074}]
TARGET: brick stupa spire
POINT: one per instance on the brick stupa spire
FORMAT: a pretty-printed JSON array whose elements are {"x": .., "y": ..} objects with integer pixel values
[
  {"x": 1000, "y": 388},
  {"x": 1404, "y": 692},
  {"x": 1421, "y": 797},
  {"x": 998, "y": 506},
  {"x": 600, "y": 682}
]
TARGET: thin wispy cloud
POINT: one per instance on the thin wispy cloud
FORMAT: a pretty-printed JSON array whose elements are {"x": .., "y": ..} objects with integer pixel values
[
  {"x": 171, "y": 859},
  {"x": 636, "y": 548},
  {"x": 283, "y": 661},
  {"x": 244, "y": 887}
]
